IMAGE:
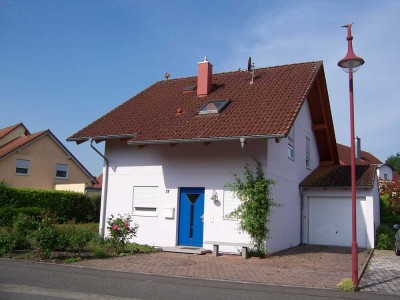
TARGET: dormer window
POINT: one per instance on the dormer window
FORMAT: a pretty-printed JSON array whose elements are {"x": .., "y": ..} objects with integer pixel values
[{"x": 213, "y": 107}]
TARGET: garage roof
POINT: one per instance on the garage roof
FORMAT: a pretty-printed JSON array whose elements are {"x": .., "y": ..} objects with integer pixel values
[{"x": 336, "y": 176}]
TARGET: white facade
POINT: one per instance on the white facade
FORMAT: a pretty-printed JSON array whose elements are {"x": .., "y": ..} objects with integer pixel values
[
  {"x": 385, "y": 171},
  {"x": 166, "y": 169}
]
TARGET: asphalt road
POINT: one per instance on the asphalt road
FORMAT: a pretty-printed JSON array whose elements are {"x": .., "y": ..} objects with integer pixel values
[{"x": 29, "y": 280}]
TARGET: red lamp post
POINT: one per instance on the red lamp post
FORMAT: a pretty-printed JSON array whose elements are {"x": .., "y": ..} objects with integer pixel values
[{"x": 350, "y": 64}]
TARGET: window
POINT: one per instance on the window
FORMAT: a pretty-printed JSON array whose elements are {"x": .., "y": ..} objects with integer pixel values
[
  {"x": 231, "y": 202},
  {"x": 308, "y": 161},
  {"x": 145, "y": 199},
  {"x": 213, "y": 107},
  {"x": 22, "y": 167},
  {"x": 385, "y": 176},
  {"x": 291, "y": 144},
  {"x": 62, "y": 171}
]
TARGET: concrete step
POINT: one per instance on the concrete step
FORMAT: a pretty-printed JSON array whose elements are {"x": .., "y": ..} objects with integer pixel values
[{"x": 186, "y": 249}]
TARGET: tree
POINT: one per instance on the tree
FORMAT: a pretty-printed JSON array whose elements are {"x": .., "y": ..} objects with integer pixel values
[
  {"x": 394, "y": 161},
  {"x": 254, "y": 193}
]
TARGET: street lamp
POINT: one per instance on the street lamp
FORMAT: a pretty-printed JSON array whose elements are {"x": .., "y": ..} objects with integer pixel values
[{"x": 350, "y": 64}]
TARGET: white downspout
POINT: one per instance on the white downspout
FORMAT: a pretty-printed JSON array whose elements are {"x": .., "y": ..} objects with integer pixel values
[{"x": 103, "y": 193}]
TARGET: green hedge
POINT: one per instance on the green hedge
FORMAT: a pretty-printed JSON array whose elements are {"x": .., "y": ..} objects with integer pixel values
[
  {"x": 65, "y": 205},
  {"x": 9, "y": 213}
]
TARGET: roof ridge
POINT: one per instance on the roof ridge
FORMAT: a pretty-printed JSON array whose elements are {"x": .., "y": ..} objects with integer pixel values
[{"x": 243, "y": 70}]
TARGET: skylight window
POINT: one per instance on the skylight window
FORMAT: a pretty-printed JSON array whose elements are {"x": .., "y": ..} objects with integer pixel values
[{"x": 213, "y": 107}]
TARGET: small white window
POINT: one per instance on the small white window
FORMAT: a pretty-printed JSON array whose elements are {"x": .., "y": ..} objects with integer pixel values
[
  {"x": 308, "y": 159},
  {"x": 145, "y": 200},
  {"x": 231, "y": 202},
  {"x": 22, "y": 167},
  {"x": 291, "y": 144},
  {"x": 62, "y": 171}
]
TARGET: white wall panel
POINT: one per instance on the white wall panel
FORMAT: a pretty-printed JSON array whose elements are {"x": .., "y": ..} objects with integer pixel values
[{"x": 330, "y": 221}]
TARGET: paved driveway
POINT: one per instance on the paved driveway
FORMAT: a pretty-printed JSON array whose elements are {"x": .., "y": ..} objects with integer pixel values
[
  {"x": 309, "y": 266},
  {"x": 382, "y": 274}
]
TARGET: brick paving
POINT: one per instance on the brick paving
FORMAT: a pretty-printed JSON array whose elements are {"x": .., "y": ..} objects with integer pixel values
[
  {"x": 307, "y": 266},
  {"x": 382, "y": 275}
]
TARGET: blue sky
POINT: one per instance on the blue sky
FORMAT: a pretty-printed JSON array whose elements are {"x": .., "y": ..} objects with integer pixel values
[{"x": 63, "y": 64}]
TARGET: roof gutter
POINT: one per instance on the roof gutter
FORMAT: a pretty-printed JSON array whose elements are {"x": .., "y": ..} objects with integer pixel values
[
  {"x": 103, "y": 192},
  {"x": 199, "y": 140},
  {"x": 102, "y": 137}
]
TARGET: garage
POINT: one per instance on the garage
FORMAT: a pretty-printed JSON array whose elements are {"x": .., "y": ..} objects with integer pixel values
[{"x": 330, "y": 221}]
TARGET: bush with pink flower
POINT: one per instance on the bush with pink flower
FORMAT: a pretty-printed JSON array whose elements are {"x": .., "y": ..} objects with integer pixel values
[{"x": 121, "y": 230}]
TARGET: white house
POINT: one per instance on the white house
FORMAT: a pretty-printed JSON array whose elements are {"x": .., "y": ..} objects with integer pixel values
[{"x": 171, "y": 149}]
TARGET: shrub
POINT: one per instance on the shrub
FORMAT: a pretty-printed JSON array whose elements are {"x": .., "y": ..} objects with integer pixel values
[
  {"x": 74, "y": 237},
  {"x": 133, "y": 248},
  {"x": 258, "y": 252},
  {"x": 79, "y": 239},
  {"x": 121, "y": 231},
  {"x": 387, "y": 215},
  {"x": 23, "y": 229},
  {"x": 45, "y": 238},
  {"x": 385, "y": 242},
  {"x": 386, "y": 237},
  {"x": 101, "y": 252},
  {"x": 6, "y": 241},
  {"x": 390, "y": 201},
  {"x": 346, "y": 285},
  {"x": 99, "y": 247},
  {"x": 256, "y": 202}
]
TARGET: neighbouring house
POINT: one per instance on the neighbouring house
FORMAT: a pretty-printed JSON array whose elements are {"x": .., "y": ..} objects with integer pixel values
[
  {"x": 95, "y": 189},
  {"x": 39, "y": 160},
  {"x": 171, "y": 150},
  {"x": 384, "y": 171}
]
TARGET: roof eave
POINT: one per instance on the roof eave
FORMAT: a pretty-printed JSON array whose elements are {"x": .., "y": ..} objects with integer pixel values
[
  {"x": 80, "y": 140},
  {"x": 197, "y": 140}
]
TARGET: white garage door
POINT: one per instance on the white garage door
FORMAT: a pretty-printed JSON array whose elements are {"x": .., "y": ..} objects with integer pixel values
[{"x": 330, "y": 221}]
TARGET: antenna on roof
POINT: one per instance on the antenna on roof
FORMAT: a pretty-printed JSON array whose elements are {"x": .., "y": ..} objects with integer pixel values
[{"x": 166, "y": 75}]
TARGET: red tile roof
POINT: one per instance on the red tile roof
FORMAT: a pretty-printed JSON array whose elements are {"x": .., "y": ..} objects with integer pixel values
[
  {"x": 19, "y": 142},
  {"x": 99, "y": 183},
  {"x": 267, "y": 107},
  {"x": 366, "y": 157},
  {"x": 167, "y": 111},
  {"x": 7, "y": 130},
  {"x": 340, "y": 176}
]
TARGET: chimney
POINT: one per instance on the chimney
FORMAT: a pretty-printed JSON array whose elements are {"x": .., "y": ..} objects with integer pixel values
[
  {"x": 204, "y": 77},
  {"x": 358, "y": 148}
]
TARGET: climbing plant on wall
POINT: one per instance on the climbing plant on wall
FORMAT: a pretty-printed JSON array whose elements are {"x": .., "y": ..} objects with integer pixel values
[{"x": 254, "y": 193}]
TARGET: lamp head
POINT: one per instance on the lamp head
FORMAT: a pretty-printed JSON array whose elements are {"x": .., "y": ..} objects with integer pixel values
[{"x": 351, "y": 62}]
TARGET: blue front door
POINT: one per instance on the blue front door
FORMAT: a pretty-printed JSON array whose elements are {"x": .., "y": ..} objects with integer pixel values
[{"x": 191, "y": 211}]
